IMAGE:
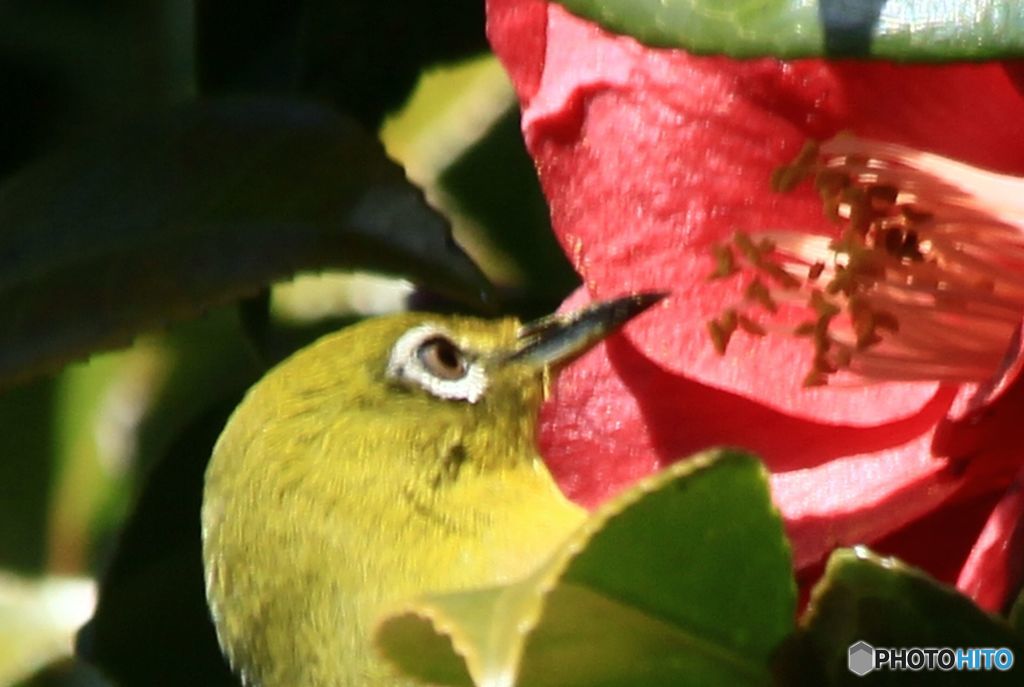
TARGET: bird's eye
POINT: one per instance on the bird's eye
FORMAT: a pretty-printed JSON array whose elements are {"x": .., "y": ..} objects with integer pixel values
[
  {"x": 426, "y": 357},
  {"x": 442, "y": 358}
]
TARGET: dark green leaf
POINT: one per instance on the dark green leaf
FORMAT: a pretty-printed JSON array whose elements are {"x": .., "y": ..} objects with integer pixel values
[
  {"x": 683, "y": 580},
  {"x": 152, "y": 626},
  {"x": 28, "y": 450},
  {"x": 885, "y": 603},
  {"x": 67, "y": 673},
  {"x": 35, "y": 99},
  {"x": 247, "y": 45},
  {"x": 199, "y": 206},
  {"x": 67, "y": 64},
  {"x": 365, "y": 57},
  {"x": 1017, "y": 614},
  {"x": 495, "y": 184},
  {"x": 890, "y": 29}
]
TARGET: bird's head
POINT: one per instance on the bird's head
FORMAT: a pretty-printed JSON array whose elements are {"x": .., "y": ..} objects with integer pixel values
[
  {"x": 416, "y": 379},
  {"x": 393, "y": 458}
]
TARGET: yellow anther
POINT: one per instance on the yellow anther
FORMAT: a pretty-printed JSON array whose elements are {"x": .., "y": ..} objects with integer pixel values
[
  {"x": 805, "y": 329},
  {"x": 725, "y": 262},
  {"x": 759, "y": 293},
  {"x": 722, "y": 329},
  {"x": 787, "y": 177},
  {"x": 821, "y": 338},
  {"x": 843, "y": 356},
  {"x": 749, "y": 326},
  {"x": 821, "y": 305},
  {"x": 882, "y": 199},
  {"x": 780, "y": 276},
  {"x": 830, "y": 182},
  {"x": 860, "y": 210},
  {"x": 746, "y": 246},
  {"x": 887, "y": 321},
  {"x": 823, "y": 364},
  {"x": 815, "y": 378},
  {"x": 905, "y": 246}
]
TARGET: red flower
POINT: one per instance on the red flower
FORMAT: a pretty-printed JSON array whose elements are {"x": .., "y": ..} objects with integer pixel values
[{"x": 649, "y": 159}]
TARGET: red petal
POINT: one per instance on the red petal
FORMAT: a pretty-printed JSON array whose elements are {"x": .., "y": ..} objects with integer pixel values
[
  {"x": 649, "y": 156},
  {"x": 994, "y": 570},
  {"x": 518, "y": 30},
  {"x": 941, "y": 542},
  {"x": 615, "y": 416}
]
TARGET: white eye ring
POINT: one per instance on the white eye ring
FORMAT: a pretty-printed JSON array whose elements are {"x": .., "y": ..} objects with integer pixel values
[{"x": 427, "y": 357}]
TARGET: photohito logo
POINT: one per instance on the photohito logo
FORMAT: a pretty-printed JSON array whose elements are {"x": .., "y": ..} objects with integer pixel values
[{"x": 863, "y": 658}]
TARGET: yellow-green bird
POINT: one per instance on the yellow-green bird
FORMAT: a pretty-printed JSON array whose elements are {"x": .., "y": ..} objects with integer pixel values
[{"x": 389, "y": 460}]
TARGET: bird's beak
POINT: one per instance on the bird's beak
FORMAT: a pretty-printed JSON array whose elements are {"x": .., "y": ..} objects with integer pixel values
[{"x": 556, "y": 340}]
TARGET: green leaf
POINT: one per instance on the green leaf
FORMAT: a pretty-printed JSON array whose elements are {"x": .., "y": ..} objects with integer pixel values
[
  {"x": 886, "y": 603},
  {"x": 1017, "y": 614},
  {"x": 365, "y": 57},
  {"x": 459, "y": 138},
  {"x": 69, "y": 672},
  {"x": 26, "y": 472},
  {"x": 494, "y": 184},
  {"x": 65, "y": 65},
  {"x": 199, "y": 206},
  {"x": 919, "y": 30},
  {"x": 683, "y": 580},
  {"x": 247, "y": 46},
  {"x": 152, "y": 625}
]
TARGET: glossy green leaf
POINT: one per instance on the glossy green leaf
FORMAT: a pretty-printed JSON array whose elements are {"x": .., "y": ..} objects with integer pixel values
[
  {"x": 922, "y": 30},
  {"x": 195, "y": 207},
  {"x": 886, "y": 603},
  {"x": 1017, "y": 614},
  {"x": 683, "y": 580}
]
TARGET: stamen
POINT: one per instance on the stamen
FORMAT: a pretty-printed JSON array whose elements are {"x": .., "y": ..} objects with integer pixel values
[{"x": 923, "y": 278}]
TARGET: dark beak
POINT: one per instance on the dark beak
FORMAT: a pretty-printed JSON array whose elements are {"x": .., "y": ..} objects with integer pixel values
[{"x": 557, "y": 340}]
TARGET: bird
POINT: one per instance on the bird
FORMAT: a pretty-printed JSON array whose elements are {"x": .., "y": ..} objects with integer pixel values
[{"x": 392, "y": 459}]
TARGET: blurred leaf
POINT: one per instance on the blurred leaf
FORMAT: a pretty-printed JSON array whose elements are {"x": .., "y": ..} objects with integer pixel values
[
  {"x": 69, "y": 672},
  {"x": 459, "y": 138},
  {"x": 75, "y": 64},
  {"x": 365, "y": 57},
  {"x": 296, "y": 313},
  {"x": 196, "y": 207},
  {"x": 494, "y": 184},
  {"x": 888, "y": 29},
  {"x": 117, "y": 414},
  {"x": 26, "y": 468},
  {"x": 152, "y": 626},
  {"x": 212, "y": 354},
  {"x": 144, "y": 415},
  {"x": 35, "y": 98},
  {"x": 247, "y": 45},
  {"x": 683, "y": 580},
  {"x": 38, "y": 618},
  {"x": 1017, "y": 614},
  {"x": 864, "y": 597}
]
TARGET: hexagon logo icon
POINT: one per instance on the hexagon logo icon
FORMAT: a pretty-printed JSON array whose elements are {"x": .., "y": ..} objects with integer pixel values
[{"x": 861, "y": 659}]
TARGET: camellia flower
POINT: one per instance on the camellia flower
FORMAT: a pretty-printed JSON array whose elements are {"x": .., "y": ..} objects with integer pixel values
[{"x": 868, "y": 315}]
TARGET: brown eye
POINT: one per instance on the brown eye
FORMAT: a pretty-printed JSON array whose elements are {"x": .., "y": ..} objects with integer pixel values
[{"x": 442, "y": 358}]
